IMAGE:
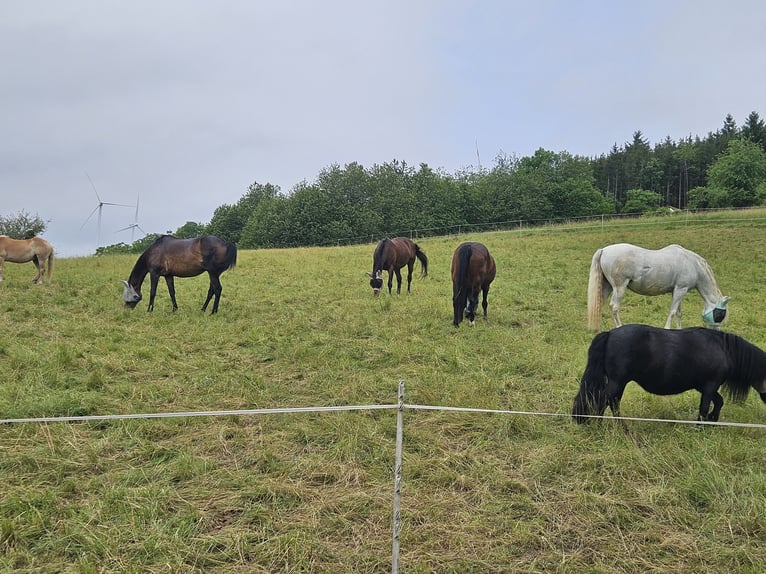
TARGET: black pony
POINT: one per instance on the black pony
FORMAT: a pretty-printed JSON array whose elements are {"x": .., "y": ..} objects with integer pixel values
[
  {"x": 668, "y": 362},
  {"x": 170, "y": 257},
  {"x": 391, "y": 255},
  {"x": 473, "y": 269}
]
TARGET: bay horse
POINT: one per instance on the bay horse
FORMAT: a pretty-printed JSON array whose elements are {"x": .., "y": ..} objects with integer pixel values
[
  {"x": 473, "y": 269},
  {"x": 391, "y": 255},
  {"x": 170, "y": 257},
  {"x": 668, "y": 362},
  {"x": 672, "y": 269},
  {"x": 37, "y": 250}
]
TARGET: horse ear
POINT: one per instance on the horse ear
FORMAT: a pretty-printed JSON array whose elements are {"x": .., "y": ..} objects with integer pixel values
[
  {"x": 368, "y": 274},
  {"x": 125, "y": 283}
]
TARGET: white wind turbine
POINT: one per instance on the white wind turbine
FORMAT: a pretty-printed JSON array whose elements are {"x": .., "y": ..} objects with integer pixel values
[
  {"x": 133, "y": 226},
  {"x": 99, "y": 208}
]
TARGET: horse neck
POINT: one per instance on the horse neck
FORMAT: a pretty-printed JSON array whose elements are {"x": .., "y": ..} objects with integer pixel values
[
  {"x": 707, "y": 286},
  {"x": 137, "y": 275},
  {"x": 380, "y": 256}
]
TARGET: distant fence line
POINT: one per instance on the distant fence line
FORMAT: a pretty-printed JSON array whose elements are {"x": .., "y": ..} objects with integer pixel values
[
  {"x": 400, "y": 407},
  {"x": 585, "y": 222}
]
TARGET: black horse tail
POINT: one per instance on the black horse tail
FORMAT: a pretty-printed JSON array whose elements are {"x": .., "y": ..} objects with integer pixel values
[
  {"x": 459, "y": 292},
  {"x": 591, "y": 399},
  {"x": 231, "y": 255},
  {"x": 423, "y": 260}
]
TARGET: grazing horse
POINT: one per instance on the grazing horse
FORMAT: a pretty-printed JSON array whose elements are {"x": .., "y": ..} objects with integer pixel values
[
  {"x": 36, "y": 250},
  {"x": 671, "y": 269},
  {"x": 170, "y": 257},
  {"x": 473, "y": 269},
  {"x": 391, "y": 255},
  {"x": 668, "y": 362}
]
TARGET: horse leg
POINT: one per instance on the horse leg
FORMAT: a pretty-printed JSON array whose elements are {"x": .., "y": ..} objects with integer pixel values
[
  {"x": 172, "y": 290},
  {"x": 484, "y": 293},
  {"x": 617, "y": 294},
  {"x": 2, "y": 262},
  {"x": 675, "y": 307},
  {"x": 39, "y": 278},
  {"x": 153, "y": 280},
  {"x": 705, "y": 401},
  {"x": 390, "y": 280},
  {"x": 214, "y": 289},
  {"x": 398, "y": 282},
  {"x": 473, "y": 304},
  {"x": 409, "y": 275}
]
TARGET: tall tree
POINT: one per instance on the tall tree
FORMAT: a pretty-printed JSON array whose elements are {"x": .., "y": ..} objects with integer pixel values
[
  {"x": 739, "y": 172},
  {"x": 754, "y": 130}
]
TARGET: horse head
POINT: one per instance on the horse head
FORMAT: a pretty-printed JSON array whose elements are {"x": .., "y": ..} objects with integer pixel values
[
  {"x": 130, "y": 296},
  {"x": 589, "y": 401},
  {"x": 376, "y": 282},
  {"x": 715, "y": 316}
]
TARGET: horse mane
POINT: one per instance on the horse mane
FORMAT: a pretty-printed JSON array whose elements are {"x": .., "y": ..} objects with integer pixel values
[
  {"x": 141, "y": 268},
  {"x": 748, "y": 365},
  {"x": 379, "y": 255},
  {"x": 706, "y": 270}
]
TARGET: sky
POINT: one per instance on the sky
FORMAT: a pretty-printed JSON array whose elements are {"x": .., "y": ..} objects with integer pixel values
[{"x": 178, "y": 106}]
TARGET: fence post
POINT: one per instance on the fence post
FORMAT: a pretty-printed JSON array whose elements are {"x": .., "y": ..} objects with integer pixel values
[{"x": 398, "y": 481}]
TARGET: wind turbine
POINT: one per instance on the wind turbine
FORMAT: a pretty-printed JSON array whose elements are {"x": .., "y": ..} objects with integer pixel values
[
  {"x": 99, "y": 208},
  {"x": 133, "y": 226}
]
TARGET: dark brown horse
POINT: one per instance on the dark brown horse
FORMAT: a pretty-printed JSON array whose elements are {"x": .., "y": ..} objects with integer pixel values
[
  {"x": 170, "y": 257},
  {"x": 391, "y": 255},
  {"x": 473, "y": 269}
]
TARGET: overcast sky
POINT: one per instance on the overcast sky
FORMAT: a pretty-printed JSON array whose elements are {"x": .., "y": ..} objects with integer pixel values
[{"x": 185, "y": 103}]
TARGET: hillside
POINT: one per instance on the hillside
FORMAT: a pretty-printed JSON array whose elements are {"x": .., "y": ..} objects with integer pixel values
[{"x": 312, "y": 492}]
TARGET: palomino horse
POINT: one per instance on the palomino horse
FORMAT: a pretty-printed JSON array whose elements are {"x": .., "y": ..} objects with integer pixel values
[
  {"x": 391, "y": 255},
  {"x": 667, "y": 362},
  {"x": 170, "y": 257},
  {"x": 36, "y": 250},
  {"x": 473, "y": 269},
  {"x": 671, "y": 269}
]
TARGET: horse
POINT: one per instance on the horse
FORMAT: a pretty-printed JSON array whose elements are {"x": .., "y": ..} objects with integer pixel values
[
  {"x": 391, "y": 255},
  {"x": 473, "y": 269},
  {"x": 672, "y": 269},
  {"x": 668, "y": 362},
  {"x": 170, "y": 257},
  {"x": 37, "y": 250}
]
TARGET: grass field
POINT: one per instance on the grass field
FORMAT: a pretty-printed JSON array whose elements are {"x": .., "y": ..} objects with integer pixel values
[{"x": 313, "y": 492}]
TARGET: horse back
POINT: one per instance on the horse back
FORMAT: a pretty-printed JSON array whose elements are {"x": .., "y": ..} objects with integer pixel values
[
  {"x": 665, "y": 361},
  {"x": 472, "y": 266},
  {"x": 393, "y": 254}
]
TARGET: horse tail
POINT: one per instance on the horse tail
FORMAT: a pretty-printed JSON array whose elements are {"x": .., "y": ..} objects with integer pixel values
[
  {"x": 592, "y": 394},
  {"x": 231, "y": 256},
  {"x": 595, "y": 291},
  {"x": 50, "y": 263},
  {"x": 462, "y": 259},
  {"x": 423, "y": 261}
]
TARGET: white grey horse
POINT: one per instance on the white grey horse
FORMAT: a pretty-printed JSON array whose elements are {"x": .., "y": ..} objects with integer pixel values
[{"x": 672, "y": 269}]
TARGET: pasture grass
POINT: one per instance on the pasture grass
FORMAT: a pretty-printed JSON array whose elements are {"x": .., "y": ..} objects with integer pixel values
[{"x": 481, "y": 492}]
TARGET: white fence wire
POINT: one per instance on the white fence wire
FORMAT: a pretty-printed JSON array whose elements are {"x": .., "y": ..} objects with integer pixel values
[{"x": 400, "y": 407}]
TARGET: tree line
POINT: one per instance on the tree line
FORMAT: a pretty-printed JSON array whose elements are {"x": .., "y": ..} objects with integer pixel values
[{"x": 353, "y": 203}]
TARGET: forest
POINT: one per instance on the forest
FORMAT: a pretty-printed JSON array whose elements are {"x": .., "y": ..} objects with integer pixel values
[
  {"x": 351, "y": 204},
  {"x": 355, "y": 204}
]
